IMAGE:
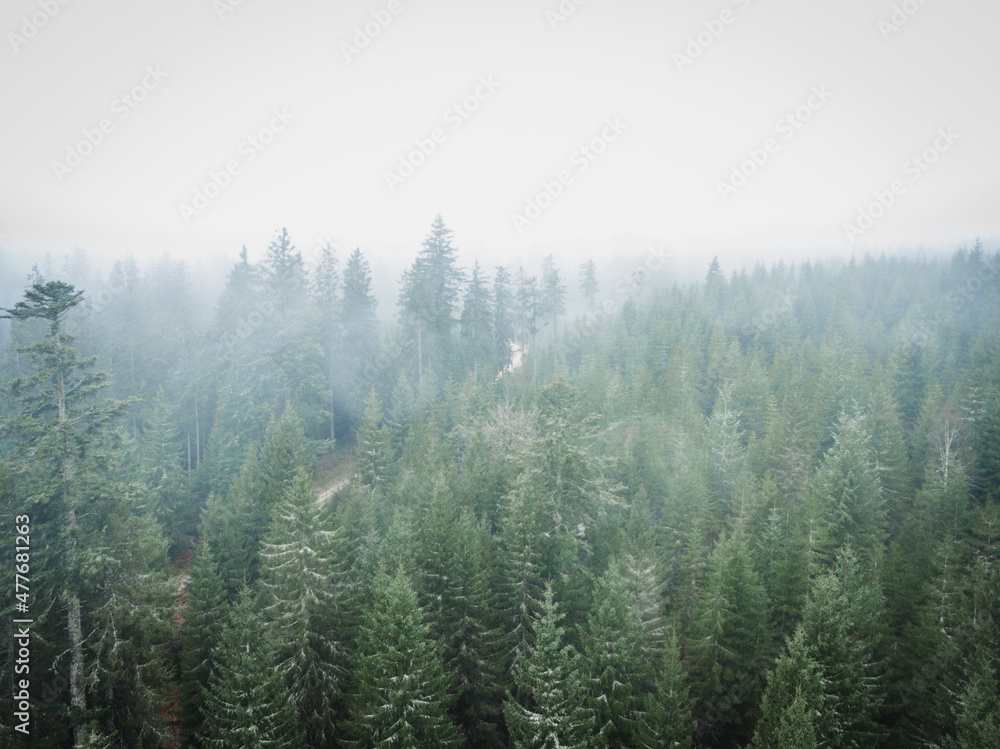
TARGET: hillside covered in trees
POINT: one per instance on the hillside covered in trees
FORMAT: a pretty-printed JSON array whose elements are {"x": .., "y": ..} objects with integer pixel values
[{"x": 759, "y": 511}]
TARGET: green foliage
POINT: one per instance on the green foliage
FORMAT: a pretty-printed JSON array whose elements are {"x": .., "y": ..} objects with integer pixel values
[
  {"x": 795, "y": 729},
  {"x": 835, "y": 663},
  {"x": 476, "y": 323},
  {"x": 725, "y": 455},
  {"x": 754, "y": 461},
  {"x": 237, "y": 522},
  {"x": 550, "y": 710},
  {"x": 201, "y": 634},
  {"x": 162, "y": 471},
  {"x": 503, "y": 317},
  {"x": 847, "y": 494},
  {"x": 428, "y": 298},
  {"x": 301, "y": 604},
  {"x": 401, "y": 693},
  {"x": 624, "y": 641},
  {"x": 666, "y": 721},
  {"x": 457, "y": 563},
  {"x": 987, "y": 443},
  {"x": 373, "y": 444},
  {"x": 99, "y": 558},
  {"x": 979, "y": 716},
  {"x": 246, "y": 704},
  {"x": 793, "y": 698},
  {"x": 727, "y": 642}
]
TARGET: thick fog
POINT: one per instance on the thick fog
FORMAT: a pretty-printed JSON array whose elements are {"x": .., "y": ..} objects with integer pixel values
[
  {"x": 743, "y": 128},
  {"x": 532, "y": 374}
]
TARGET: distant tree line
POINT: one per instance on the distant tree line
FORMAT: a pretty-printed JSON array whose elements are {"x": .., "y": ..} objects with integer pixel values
[{"x": 759, "y": 511}]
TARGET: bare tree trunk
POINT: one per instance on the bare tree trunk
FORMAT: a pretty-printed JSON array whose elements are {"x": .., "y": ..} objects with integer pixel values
[
  {"x": 534, "y": 358},
  {"x": 74, "y": 626},
  {"x": 333, "y": 429},
  {"x": 197, "y": 436},
  {"x": 420, "y": 354},
  {"x": 554, "y": 364},
  {"x": 74, "y": 619},
  {"x": 76, "y": 697}
]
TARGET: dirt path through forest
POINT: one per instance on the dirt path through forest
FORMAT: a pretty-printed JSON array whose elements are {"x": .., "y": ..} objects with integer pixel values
[{"x": 323, "y": 495}]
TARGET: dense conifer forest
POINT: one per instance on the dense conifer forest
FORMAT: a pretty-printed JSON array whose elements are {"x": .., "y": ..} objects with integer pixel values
[{"x": 529, "y": 507}]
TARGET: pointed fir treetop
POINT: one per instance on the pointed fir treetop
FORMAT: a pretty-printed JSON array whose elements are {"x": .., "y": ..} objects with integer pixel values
[
  {"x": 359, "y": 303},
  {"x": 48, "y": 301},
  {"x": 552, "y": 712},
  {"x": 588, "y": 282}
]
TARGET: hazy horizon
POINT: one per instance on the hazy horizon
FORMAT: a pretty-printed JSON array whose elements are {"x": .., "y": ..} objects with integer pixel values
[{"x": 744, "y": 129}]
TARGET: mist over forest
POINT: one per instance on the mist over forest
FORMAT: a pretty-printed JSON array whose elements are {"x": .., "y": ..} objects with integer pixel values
[
  {"x": 537, "y": 374},
  {"x": 520, "y": 507}
]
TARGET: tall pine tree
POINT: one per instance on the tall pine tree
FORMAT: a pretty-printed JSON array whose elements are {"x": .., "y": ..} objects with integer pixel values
[
  {"x": 551, "y": 710},
  {"x": 401, "y": 693}
]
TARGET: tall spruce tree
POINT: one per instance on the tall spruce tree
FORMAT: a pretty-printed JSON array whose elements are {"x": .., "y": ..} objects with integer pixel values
[
  {"x": 835, "y": 664},
  {"x": 201, "y": 635},
  {"x": 553, "y": 301},
  {"x": 326, "y": 298},
  {"x": 360, "y": 332},
  {"x": 666, "y": 720},
  {"x": 725, "y": 454},
  {"x": 588, "y": 283},
  {"x": 100, "y": 559},
  {"x": 728, "y": 641},
  {"x": 246, "y": 704},
  {"x": 428, "y": 298},
  {"x": 623, "y": 642},
  {"x": 284, "y": 273},
  {"x": 401, "y": 693},
  {"x": 522, "y": 574},
  {"x": 551, "y": 710},
  {"x": 301, "y": 610},
  {"x": 503, "y": 317},
  {"x": 848, "y": 497},
  {"x": 476, "y": 325},
  {"x": 529, "y": 312},
  {"x": 162, "y": 470},
  {"x": 794, "y": 693},
  {"x": 457, "y": 562},
  {"x": 979, "y": 710},
  {"x": 373, "y": 443}
]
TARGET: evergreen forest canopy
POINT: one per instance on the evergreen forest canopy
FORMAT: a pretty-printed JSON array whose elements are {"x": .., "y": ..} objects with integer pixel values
[{"x": 759, "y": 511}]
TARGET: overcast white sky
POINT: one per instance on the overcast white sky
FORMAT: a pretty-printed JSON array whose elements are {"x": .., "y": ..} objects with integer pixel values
[{"x": 886, "y": 94}]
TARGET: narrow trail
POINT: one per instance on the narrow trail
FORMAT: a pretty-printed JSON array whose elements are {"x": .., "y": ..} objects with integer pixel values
[
  {"x": 324, "y": 495},
  {"x": 181, "y": 576}
]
